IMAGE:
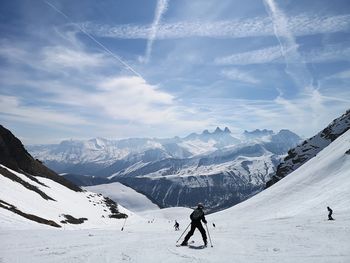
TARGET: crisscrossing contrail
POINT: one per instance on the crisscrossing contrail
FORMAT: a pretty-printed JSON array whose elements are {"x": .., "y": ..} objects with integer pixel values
[{"x": 126, "y": 65}]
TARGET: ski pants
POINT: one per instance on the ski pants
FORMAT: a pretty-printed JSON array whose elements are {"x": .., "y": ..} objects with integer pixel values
[{"x": 194, "y": 225}]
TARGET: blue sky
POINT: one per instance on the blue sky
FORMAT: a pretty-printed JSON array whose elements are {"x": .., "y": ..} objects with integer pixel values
[{"x": 130, "y": 68}]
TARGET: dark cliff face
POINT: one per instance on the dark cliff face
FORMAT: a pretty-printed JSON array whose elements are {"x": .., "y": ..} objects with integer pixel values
[
  {"x": 311, "y": 147},
  {"x": 14, "y": 156}
]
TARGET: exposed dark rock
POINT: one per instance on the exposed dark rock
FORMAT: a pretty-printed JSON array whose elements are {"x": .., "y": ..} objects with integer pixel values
[
  {"x": 72, "y": 220},
  {"x": 113, "y": 208},
  {"x": 347, "y": 152},
  {"x": 35, "y": 218},
  {"x": 4, "y": 172}
]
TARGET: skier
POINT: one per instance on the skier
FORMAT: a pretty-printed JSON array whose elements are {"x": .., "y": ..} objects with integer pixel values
[
  {"x": 196, "y": 217},
  {"x": 330, "y": 213},
  {"x": 176, "y": 226}
]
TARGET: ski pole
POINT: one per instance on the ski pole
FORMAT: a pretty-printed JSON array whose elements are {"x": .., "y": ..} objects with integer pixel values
[
  {"x": 211, "y": 244},
  {"x": 183, "y": 233},
  {"x": 123, "y": 224}
]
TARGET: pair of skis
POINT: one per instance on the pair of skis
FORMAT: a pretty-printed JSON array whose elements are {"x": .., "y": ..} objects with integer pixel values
[{"x": 190, "y": 245}]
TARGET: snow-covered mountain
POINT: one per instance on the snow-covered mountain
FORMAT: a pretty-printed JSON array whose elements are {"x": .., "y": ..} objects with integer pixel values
[
  {"x": 220, "y": 179},
  {"x": 311, "y": 147},
  {"x": 31, "y": 193},
  {"x": 284, "y": 223},
  {"x": 212, "y": 167}
]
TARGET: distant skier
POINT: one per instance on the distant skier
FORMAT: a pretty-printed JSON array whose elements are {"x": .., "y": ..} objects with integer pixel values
[
  {"x": 196, "y": 217},
  {"x": 330, "y": 213},
  {"x": 213, "y": 225},
  {"x": 176, "y": 226}
]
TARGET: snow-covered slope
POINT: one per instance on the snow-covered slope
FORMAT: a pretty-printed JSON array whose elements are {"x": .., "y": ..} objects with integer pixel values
[
  {"x": 31, "y": 193},
  {"x": 46, "y": 201},
  {"x": 286, "y": 223},
  {"x": 322, "y": 181},
  {"x": 125, "y": 196}
]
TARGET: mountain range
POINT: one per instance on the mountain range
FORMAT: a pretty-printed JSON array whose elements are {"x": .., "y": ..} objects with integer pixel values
[{"x": 212, "y": 167}]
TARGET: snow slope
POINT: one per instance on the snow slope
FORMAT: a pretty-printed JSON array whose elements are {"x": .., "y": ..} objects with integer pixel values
[
  {"x": 285, "y": 223},
  {"x": 62, "y": 201},
  {"x": 126, "y": 196}
]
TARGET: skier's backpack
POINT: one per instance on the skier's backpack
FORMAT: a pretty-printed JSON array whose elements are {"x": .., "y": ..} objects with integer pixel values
[{"x": 196, "y": 214}]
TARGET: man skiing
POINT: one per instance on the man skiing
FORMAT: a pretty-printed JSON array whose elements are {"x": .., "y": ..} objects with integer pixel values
[
  {"x": 176, "y": 226},
  {"x": 196, "y": 217},
  {"x": 330, "y": 213}
]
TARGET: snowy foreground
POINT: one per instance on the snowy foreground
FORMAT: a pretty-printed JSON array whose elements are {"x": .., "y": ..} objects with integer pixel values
[{"x": 285, "y": 223}]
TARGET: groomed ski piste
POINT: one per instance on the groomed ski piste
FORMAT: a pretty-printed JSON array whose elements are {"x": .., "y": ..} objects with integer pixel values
[{"x": 285, "y": 223}]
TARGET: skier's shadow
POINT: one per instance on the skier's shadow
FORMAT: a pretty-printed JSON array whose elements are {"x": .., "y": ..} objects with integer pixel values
[{"x": 196, "y": 247}]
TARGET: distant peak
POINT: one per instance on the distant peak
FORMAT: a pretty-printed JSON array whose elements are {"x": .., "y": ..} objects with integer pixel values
[
  {"x": 227, "y": 130},
  {"x": 205, "y": 132},
  {"x": 218, "y": 130}
]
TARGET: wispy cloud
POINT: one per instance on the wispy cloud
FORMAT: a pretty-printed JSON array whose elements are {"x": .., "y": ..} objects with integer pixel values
[
  {"x": 265, "y": 55},
  {"x": 239, "y": 75},
  {"x": 161, "y": 8},
  {"x": 14, "y": 108},
  {"x": 273, "y": 54},
  {"x": 61, "y": 57},
  {"x": 314, "y": 108},
  {"x": 259, "y": 26}
]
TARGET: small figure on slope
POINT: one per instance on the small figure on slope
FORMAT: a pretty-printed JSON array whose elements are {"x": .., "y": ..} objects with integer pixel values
[
  {"x": 176, "y": 226},
  {"x": 196, "y": 217},
  {"x": 330, "y": 212}
]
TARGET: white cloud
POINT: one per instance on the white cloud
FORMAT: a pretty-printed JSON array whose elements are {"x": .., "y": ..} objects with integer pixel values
[
  {"x": 62, "y": 57},
  {"x": 52, "y": 58},
  {"x": 259, "y": 26},
  {"x": 239, "y": 75},
  {"x": 12, "y": 108}
]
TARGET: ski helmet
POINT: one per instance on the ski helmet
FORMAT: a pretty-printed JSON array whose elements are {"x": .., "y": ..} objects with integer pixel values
[{"x": 200, "y": 205}]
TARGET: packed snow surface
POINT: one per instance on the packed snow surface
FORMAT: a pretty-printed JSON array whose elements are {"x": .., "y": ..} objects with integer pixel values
[
  {"x": 285, "y": 223},
  {"x": 125, "y": 196}
]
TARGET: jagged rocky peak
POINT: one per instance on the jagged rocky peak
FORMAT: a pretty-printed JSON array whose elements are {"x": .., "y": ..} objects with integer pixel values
[
  {"x": 227, "y": 130},
  {"x": 218, "y": 130}
]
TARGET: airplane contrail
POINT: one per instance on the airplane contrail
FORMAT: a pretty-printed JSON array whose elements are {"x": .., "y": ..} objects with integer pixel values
[
  {"x": 296, "y": 67},
  {"x": 161, "y": 8},
  {"x": 126, "y": 65}
]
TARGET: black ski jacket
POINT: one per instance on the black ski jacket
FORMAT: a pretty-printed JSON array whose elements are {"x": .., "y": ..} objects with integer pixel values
[{"x": 198, "y": 215}]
